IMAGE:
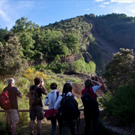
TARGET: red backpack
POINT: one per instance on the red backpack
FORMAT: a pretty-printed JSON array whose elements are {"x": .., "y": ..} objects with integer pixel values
[{"x": 4, "y": 100}]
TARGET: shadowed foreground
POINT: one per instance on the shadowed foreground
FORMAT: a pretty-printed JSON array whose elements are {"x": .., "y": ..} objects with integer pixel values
[{"x": 46, "y": 129}]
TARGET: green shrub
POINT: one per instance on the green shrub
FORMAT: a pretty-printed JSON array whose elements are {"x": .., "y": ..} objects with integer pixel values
[
  {"x": 121, "y": 105},
  {"x": 40, "y": 67},
  {"x": 23, "y": 82},
  {"x": 124, "y": 105},
  {"x": 83, "y": 67},
  {"x": 107, "y": 102},
  {"x": 58, "y": 67},
  {"x": 1, "y": 86}
]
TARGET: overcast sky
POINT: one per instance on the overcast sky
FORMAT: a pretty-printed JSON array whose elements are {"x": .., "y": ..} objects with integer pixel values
[{"x": 43, "y": 12}]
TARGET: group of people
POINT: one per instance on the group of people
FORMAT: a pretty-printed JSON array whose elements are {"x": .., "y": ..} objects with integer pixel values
[{"x": 52, "y": 100}]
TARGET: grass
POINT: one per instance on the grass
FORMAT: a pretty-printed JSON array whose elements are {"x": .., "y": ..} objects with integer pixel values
[{"x": 46, "y": 128}]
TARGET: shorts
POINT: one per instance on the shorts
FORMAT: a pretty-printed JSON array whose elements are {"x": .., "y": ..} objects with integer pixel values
[
  {"x": 12, "y": 116},
  {"x": 36, "y": 112}
]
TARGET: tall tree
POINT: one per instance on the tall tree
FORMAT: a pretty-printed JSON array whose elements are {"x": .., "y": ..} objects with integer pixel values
[
  {"x": 72, "y": 42},
  {"x": 26, "y": 30},
  {"x": 3, "y": 33},
  {"x": 50, "y": 43},
  {"x": 23, "y": 25},
  {"x": 120, "y": 70},
  {"x": 11, "y": 61}
]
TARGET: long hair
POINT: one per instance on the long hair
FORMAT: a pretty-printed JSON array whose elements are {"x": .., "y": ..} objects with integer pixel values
[{"x": 67, "y": 88}]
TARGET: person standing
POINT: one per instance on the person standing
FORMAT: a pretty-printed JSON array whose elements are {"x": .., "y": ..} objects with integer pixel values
[
  {"x": 36, "y": 110},
  {"x": 60, "y": 105},
  {"x": 50, "y": 101},
  {"x": 12, "y": 113},
  {"x": 91, "y": 115}
]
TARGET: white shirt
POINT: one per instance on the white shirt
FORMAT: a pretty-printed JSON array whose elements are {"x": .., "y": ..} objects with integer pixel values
[{"x": 51, "y": 98}]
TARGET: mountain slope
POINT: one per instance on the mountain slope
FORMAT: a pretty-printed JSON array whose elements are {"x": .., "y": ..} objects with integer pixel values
[{"x": 100, "y": 36}]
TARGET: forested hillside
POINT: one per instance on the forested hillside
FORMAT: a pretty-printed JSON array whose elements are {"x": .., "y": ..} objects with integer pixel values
[
  {"x": 84, "y": 44},
  {"x": 79, "y": 46},
  {"x": 100, "y": 36}
]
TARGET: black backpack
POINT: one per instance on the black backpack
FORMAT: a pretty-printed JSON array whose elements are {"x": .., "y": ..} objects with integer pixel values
[
  {"x": 33, "y": 97},
  {"x": 69, "y": 108},
  {"x": 90, "y": 104}
]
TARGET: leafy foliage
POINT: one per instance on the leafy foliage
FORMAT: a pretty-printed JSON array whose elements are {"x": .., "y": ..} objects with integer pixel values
[
  {"x": 27, "y": 45},
  {"x": 25, "y": 30},
  {"x": 23, "y": 25},
  {"x": 53, "y": 43},
  {"x": 72, "y": 36},
  {"x": 38, "y": 44},
  {"x": 119, "y": 71},
  {"x": 121, "y": 105},
  {"x": 120, "y": 81},
  {"x": 3, "y": 32},
  {"x": 11, "y": 61},
  {"x": 57, "y": 67},
  {"x": 83, "y": 67}
]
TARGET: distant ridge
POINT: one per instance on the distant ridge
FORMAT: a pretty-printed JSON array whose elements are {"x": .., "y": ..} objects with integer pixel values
[{"x": 100, "y": 36}]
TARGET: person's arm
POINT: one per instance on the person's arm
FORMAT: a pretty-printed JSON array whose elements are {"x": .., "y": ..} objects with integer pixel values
[
  {"x": 46, "y": 103},
  {"x": 97, "y": 83},
  {"x": 44, "y": 89},
  {"x": 97, "y": 86},
  {"x": 20, "y": 95},
  {"x": 57, "y": 104},
  {"x": 42, "y": 86}
]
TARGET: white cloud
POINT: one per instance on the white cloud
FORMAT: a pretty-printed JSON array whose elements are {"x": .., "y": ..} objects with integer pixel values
[
  {"x": 26, "y": 3},
  {"x": 126, "y": 8},
  {"x": 4, "y": 16},
  {"x": 106, "y": 3},
  {"x": 123, "y": 1},
  {"x": 102, "y": 6},
  {"x": 99, "y": 0},
  {"x": 87, "y": 9},
  {"x": 133, "y": 11},
  {"x": 10, "y": 12},
  {"x": 3, "y": 13}
]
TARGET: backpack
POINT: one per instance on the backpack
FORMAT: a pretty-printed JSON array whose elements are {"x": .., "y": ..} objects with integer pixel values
[
  {"x": 69, "y": 108},
  {"x": 4, "y": 100},
  {"x": 90, "y": 104},
  {"x": 33, "y": 97}
]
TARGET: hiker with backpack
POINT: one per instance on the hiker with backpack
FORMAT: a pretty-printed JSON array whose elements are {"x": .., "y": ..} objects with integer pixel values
[
  {"x": 36, "y": 106},
  {"x": 68, "y": 108},
  {"x": 12, "y": 111},
  {"x": 50, "y": 101},
  {"x": 91, "y": 110}
]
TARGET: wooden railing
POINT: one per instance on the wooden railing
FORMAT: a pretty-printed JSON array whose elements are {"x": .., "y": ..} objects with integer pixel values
[{"x": 27, "y": 110}]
